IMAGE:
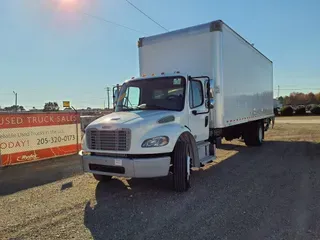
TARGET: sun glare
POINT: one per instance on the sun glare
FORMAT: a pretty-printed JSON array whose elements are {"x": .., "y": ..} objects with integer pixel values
[{"x": 69, "y": 4}]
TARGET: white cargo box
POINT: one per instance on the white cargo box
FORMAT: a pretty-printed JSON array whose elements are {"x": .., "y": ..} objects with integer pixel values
[{"x": 242, "y": 76}]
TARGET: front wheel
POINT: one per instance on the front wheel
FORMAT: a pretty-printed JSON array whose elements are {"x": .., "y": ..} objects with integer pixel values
[
  {"x": 102, "y": 178},
  {"x": 181, "y": 167}
]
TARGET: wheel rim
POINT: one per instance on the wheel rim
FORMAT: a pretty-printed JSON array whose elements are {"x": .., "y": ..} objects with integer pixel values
[{"x": 260, "y": 134}]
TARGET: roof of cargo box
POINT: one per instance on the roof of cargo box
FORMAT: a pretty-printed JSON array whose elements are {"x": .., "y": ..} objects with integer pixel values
[{"x": 198, "y": 29}]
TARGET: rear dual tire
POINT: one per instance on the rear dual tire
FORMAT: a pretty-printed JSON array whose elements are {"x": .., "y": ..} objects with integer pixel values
[{"x": 254, "y": 134}]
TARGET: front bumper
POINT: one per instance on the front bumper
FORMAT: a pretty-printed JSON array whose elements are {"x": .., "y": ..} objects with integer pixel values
[{"x": 127, "y": 167}]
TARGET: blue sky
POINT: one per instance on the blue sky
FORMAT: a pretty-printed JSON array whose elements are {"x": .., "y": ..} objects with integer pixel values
[{"x": 52, "y": 53}]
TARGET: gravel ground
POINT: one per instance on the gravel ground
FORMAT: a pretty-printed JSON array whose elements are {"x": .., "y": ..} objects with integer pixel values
[{"x": 271, "y": 192}]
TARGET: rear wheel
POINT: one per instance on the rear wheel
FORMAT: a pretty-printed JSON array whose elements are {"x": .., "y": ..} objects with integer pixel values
[
  {"x": 254, "y": 135},
  {"x": 181, "y": 167},
  {"x": 102, "y": 178}
]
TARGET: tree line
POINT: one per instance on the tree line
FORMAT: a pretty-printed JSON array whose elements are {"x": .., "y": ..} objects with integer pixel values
[
  {"x": 298, "y": 98},
  {"x": 48, "y": 107}
]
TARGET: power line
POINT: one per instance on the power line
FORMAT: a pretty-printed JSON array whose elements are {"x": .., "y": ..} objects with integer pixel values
[
  {"x": 111, "y": 22},
  {"x": 147, "y": 15}
]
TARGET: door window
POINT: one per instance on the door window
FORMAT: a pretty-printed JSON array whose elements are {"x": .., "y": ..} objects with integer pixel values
[{"x": 195, "y": 94}]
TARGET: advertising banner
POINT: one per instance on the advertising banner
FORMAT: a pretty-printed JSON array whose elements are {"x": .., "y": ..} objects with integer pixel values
[{"x": 30, "y": 137}]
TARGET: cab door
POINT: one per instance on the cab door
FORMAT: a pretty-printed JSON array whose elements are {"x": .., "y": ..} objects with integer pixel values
[{"x": 198, "y": 108}]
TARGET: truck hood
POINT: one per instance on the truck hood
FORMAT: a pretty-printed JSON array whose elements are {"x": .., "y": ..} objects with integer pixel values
[
  {"x": 142, "y": 125},
  {"x": 124, "y": 118}
]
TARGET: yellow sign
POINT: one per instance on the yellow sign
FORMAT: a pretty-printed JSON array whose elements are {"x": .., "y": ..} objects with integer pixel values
[{"x": 66, "y": 104}]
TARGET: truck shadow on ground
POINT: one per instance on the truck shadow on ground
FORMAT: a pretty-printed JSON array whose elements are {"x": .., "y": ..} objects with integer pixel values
[
  {"x": 252, "y": 192},
  {"x": 29, "y": 175}
]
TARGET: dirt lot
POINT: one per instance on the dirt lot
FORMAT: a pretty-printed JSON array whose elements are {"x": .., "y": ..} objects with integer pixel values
[
  {"x": 271, "y": 192},
  {"x": 299, "y": 119}
]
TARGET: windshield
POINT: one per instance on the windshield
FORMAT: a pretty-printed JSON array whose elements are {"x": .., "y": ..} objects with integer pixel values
[{"x": 165, "y": 93}]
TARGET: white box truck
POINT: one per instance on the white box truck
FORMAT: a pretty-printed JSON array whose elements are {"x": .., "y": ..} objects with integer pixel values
[{"x": 197, "y": 85}]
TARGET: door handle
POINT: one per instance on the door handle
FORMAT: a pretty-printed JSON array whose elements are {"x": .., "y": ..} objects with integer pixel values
[{"x": 206, "y": 121}]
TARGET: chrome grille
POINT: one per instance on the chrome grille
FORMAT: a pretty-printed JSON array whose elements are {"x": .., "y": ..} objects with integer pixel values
[{"x": 112, "y": 140}]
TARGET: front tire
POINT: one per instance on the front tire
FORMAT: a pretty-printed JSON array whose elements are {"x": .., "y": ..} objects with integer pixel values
[
  {"x": 181, "y": 167},
  {"x": 102, "y": 178}
]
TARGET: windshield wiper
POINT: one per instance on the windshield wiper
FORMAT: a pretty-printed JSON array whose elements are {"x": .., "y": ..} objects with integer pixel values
[
  {"x": 155, "y": 107},
  {"x": 125, "y": 108},
  {"x": 144, "y": 107}
]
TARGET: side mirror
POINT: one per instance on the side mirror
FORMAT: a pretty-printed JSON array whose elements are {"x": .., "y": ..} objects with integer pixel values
[
  {"x": 115, "y": 95},
  {"x": 211, "y": 104}
]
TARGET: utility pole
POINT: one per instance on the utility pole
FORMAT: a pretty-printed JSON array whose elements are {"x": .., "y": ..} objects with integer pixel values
[
  {"x": 108, "y": 96},
  {"x": 278, "y": 91},
  {"x": 15, "y": 100}
]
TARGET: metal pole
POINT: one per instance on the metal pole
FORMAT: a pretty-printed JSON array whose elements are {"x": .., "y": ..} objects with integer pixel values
[
  {"x": 108, "y": 96},
  {"x": 15, "y": 100},
  {"x": 77, "y": 127}
]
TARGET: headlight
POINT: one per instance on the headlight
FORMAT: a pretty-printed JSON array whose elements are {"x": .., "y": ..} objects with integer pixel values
[
  {"x": 155, "y": 142},
  {"x": 84, "y": 153}
]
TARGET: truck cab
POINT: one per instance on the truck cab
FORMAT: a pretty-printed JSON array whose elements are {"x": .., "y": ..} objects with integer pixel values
[
  {"x": 160, "y": 126},
  {"x": 181, "y": 96}
]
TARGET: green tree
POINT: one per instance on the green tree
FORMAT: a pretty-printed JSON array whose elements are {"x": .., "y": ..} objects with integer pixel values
[
  {"x": 14, "y": 108},
  {"x": 51, "y": 107},
  {"x": 281, "y": 99}
]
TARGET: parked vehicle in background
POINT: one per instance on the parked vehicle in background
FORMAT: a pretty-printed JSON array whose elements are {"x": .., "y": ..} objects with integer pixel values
[
  {"x": 197, "y": 85},
  {"x": 277, "y": 106}
]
